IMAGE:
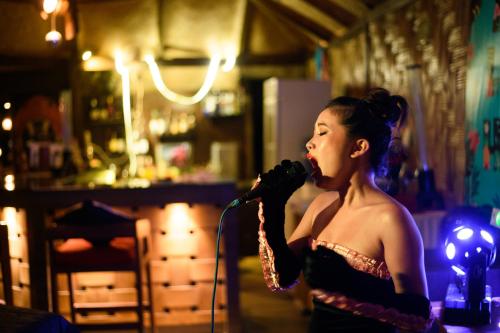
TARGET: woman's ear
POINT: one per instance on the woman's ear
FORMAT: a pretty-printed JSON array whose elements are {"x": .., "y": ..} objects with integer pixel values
[{"x": 359, "y": 148}]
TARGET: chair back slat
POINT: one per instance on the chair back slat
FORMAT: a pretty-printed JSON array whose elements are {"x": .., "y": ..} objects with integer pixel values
[
  {"x": 92, "y": 231},
  {"x": 5, "y": 263}
]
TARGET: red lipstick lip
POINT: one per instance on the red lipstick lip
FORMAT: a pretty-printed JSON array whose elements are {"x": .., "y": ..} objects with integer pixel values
[
  {"x": 312, "y": 160},
  {"x": 315, "y": 172}
]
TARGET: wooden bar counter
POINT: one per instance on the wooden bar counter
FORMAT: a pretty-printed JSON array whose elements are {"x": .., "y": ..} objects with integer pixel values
[{"x": 184, "y": 219}]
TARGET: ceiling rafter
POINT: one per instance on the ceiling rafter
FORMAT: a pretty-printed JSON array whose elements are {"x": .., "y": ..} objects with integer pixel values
[
  {"x": 336, "y": 12},
  {"x": 281, "y": 15},
  {"x": 245, "y": 31},
  {"x": 381, "y": 9},
  {"x": 355, "y": 7},
  {"x": 313, "y": 14}
]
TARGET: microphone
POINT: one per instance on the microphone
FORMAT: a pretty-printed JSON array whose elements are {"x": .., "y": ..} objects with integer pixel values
[{"x": 295, "y": 173}]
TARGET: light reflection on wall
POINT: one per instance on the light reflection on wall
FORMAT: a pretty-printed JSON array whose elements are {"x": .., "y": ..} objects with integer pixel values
[{"x": 178, "y": 220}]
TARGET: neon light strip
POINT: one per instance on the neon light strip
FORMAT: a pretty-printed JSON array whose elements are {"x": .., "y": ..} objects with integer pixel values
[
  {"x": 127, "y": 114},
  {"x": 178, "y": 98}
]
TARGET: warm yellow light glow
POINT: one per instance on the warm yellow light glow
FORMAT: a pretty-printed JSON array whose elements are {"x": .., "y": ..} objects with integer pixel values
[
  {"x": 53, "y": 36},
  {"x": 127, "y": 114},
  {"x": 7, "y": 105},
  {"x": 49, "y": 6},
  {"x": 86, "y": 55},
  {"x": 178, "y": 98},
  {"x": 1, "y": 152},
  {"x": 98, "y": 63},
  {"x": 229, "y": 62},
  {"x": 9, "y": 215},
  {"x": 178, "y": 220},
  {"x": 7, "y": 124},
  {"x": 9, "y": 184}
]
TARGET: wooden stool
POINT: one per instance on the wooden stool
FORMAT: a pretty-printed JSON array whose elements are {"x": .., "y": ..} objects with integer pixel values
[{"x": 91, "y": 237}]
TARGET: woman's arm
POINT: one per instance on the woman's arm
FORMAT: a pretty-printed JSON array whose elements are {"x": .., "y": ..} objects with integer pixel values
[
  {"x": 403, "y": 251},
  {"x": 281, "y": 260},
  {"x": 403, "y": 254}
]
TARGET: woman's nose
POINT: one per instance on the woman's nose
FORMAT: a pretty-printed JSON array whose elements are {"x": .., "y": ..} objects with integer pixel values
[{"x": 309, "y": 145}]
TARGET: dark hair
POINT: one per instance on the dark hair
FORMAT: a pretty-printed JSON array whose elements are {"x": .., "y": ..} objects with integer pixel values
[{"x": 372, "y": 118}]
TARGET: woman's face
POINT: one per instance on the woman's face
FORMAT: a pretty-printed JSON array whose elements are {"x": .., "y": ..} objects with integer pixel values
[{"x": 329, "y": 151}]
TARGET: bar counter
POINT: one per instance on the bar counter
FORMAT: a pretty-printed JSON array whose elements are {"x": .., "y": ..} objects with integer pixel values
[{"x": 205, "y": 200}]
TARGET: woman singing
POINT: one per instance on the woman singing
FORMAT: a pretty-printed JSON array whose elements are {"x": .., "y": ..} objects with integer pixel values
[{"x": 359, "y": 249}]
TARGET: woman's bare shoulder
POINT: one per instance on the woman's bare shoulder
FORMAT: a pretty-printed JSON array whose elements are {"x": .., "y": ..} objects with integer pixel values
[{"x": 394, "y": 216}]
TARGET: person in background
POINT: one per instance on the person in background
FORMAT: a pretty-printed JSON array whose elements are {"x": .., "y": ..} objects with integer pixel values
[{"x": 359, "y": 249}]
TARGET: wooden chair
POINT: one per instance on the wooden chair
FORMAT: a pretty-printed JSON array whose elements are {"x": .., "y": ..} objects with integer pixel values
[
  {"x": 5, "y": 263},
  {"x": 93, "y": 238}
]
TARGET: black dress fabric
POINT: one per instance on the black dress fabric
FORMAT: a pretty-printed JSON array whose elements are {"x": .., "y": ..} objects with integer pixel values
[{"x": 327, "y": 270}]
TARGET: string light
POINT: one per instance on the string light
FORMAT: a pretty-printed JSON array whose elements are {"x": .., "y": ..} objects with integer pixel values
[
  {"x": 178, "y": 98},
  {"x": 7, "y": 105},
  {"x": 229, "y": 62}
]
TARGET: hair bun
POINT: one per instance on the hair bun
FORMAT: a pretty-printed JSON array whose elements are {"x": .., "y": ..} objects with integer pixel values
[{"x": 386, "y": 107}]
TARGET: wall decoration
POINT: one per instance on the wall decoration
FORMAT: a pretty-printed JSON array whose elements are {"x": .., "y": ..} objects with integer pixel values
[{"x": 483, "y": 107}]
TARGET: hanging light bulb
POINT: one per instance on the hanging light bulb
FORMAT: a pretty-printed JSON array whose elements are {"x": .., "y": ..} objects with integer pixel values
[
  {"x": 49, "y": 6},
  {"x": 53, "y": 37}
]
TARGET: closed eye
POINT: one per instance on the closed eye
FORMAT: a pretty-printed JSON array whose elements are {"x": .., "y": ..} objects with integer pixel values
[{"x": 321, "y": 133}]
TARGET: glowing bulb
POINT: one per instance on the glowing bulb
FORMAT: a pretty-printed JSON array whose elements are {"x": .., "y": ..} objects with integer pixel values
[
  {"x": 53, "y": 37},
  {"x": 9, "y": 178},
  {"x": 478, "y": 249},
  {"x": 465, "y": 233},
  {"x": 86, "y": 55},
  {"x": 450, "y": 251},
  {"x": 7, "y": 105},
  {"x": 1, "y": 152},
  {"x": 49, "y": 6},
  {"x": 486, "y": 236},
  {"x": 7, "y": 124},
  {"x": 466, "y": 254}
]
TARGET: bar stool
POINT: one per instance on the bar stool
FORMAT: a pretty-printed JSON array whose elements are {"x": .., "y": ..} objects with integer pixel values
[
  {"x": 91, "y": 237},
  {"x": 5, "y": 265}
]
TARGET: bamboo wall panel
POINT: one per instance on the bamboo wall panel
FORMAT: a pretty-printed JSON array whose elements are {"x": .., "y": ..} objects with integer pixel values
[{"x": 434, "y": 35}]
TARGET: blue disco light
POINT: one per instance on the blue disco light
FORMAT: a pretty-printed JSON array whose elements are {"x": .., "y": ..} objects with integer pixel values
[{"x": 471, "y": 250}]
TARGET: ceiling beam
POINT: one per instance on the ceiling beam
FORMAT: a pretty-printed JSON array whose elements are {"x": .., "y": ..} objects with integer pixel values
[
  {"x": 273, "y": 59},
  {"x": 287, "y": 18},
  {"x": 313, "y": 14},
  {"x": 377, "y": 12},
  {"x": 246, "y": 28},
  {"x": 355, "y": 7}
]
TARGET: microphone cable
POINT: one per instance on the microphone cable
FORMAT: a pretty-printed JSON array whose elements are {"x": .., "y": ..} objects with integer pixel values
[{"x": 235, "y": 203}]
